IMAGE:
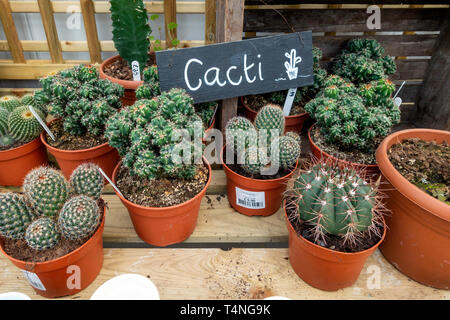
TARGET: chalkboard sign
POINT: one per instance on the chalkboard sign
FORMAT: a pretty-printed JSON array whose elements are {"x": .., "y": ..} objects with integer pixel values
[{"x": 233, "y": 69}]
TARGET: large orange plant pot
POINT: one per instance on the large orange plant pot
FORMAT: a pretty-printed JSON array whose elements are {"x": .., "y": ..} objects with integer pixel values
[
  {"x": 164, "y": 226},
  {"x": 370, "y": 170},
  {"x": 17, "y": 162},
  {"x": 292, "y": 123},
  {"x": 267, "y": 194},
  {"x": 323, "y": 268},
  {"x": 56, "y": 278},
  {"x": 418, "y": 238}
]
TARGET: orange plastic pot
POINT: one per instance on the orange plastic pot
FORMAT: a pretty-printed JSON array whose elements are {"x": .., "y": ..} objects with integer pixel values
[
  {"x": 323, "y": 268},
  {"x": 17, "y": 162},
  {"x": 164, "y": 226},
  {"x": 130, "y": 86},
  {"x": 418, "y": 238},
  {"x": 58, "y": 277},
  {"x": 370, "y": 170},
  {"x": 267, "y": 194},
  {"x": 292, "y": 123},
  {"x": 209, "y": 129}
]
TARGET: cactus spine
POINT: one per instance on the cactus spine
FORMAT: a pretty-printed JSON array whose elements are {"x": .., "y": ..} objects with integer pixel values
[
  {"x": 15, "y": 215},
  {"x": 86, "y": 179},
  {"x": 22, "y": 125},
  {"x": 9, "y": 102},
  {"x": 42, "y": 234}
]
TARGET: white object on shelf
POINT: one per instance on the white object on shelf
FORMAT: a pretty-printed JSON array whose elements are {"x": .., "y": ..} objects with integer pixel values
[
  {"x": 14, "y": 296},
  {"x": 127, "y": 287}
]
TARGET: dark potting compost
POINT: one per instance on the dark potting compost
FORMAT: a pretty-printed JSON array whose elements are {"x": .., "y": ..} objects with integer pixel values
[
  {"x": 66, "y": 141},
  {"x": 256, "y": 102},
  {"x": 12, "y": 146},
  {"x": 120, "y": 69}
]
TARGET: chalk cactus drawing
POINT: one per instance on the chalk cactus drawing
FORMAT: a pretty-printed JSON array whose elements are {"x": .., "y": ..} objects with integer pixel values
[{"x": 291, "y": 69}]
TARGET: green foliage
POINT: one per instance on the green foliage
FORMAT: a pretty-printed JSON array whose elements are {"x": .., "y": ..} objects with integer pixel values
[
  {"x": 131, "y": 30},
  {"x": 150, "y": 87},
  {"x": 15, "y": 215},
  {"x": 334, "y": 201},
  {"x": 46, "y": 189},
  {"x": 22, "y": 125},
  {"x": 149, "y": 132},
  {"x": 362, "y": 61},
  {"x": 206, "y": 111},
  {"x": 42, "y": 234},
  {"x": 79, "y": 218},
  {"x": 87, "y": 180},
  {"x": 80, "y": 99},
  {"x": 9, "y": 102}
]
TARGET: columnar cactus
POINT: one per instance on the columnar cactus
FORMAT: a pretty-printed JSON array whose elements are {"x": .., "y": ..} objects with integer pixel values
[
  {"x": 87, "y": 180},
  {"x": 22, "y": 125},
  {"x": 9, "y": 102},
  {"x": 79, "y": 218},
  {"x": 15, "y": 215},
  {"x": 42, "y": 234},
  {"x": 46, "y": 189},
  {"x": 269, "y": 118},
  {"x": 334, "y": 201}
]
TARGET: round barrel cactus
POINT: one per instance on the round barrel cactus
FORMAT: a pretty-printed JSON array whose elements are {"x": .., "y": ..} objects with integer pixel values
[
  {"x": 79, "y": 218},
  {"x": 255, "y": 160},
  {"x": 9, "y": 102},
  {"x": 240, "y": 133},
  {"x": 288, "y": 150},
  {"x": 87, "y": 180},
  {"x": 46, "y": 189},
  {"x": 15, "y": 215},
  {"x": 22, "y": 124},
  {"x": 271, "y": 119},
  {"x": 4, "y": 114},
  {"x": 42, "y": 234}
]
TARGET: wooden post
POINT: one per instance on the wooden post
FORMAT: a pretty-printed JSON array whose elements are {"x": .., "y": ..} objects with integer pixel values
[
  {"x": 433, "y": 104},
  {"x": 15, "y": 47},
  {"x": 229, "y": 26},
  {"x": 87, "y": 8},
  {"x": 210, "y": 21},
  {"x": 170, "y": 15},
  {"x": 48, "y": 21}
]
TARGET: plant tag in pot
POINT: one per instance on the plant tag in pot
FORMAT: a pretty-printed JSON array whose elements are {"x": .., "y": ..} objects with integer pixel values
[
  {"x": 136, "y": 71},
  {"x": 250, "y": 199},
  {"x": 34, "y": 280},
  {"x": 289, "y": 101}
]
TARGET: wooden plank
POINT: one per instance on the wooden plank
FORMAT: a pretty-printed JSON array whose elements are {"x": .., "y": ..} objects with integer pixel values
[
  {"x": 342, "y": 20},
  {"x": 348, "y": 2},
  {"x": 170, "y": 17},
  {"x": 9, "y": 28},
  {"x": 87, "y": 8},
  {"x": 48, "y": 21},
  {"x": 235, "y": 274},
  {"x": 210, "y": 21},
  {"x": 32, "y": 71}
]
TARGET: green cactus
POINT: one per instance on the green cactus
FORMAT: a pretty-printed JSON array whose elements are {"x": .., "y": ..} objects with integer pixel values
[
  {"x": 42, "y": 234},
  {"x": 87, "y": 180},
  {"x": 9, "y": 102},
  {"x": 4, "y": 114},
  {"x": 334, "y": 201},
  {"x": 294, "y": 136},
  {"x": 79, "y": 218},
  {"x": 15, "y": 215},
  {"x": 288, "y": 149},
  {"x": 255, "y": 160},
  {"x": 150, "y": 88},
  {"x": 240, "y": 133},
  {"x": 46, "y": 189},
  {"x": 270, "y": 121},
  {"x": 22, "y": 125}
]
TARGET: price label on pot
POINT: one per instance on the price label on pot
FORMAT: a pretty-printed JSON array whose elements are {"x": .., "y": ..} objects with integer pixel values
[
  {"x": 250, "y": 199},
  {"x": 34, "y": 280}
]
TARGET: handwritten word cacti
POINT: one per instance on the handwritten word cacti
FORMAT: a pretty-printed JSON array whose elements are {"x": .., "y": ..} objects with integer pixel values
[
  {"x": 42, "y": 234},
  {"x": 15, "y": 215},
  {"x": 79, "y": 218},
  {"x": 46, "y": 189},
  {"x": 22, "y": 125},
  {"x": 87, "y": 180},
  {"x": 335, "y": 201}
]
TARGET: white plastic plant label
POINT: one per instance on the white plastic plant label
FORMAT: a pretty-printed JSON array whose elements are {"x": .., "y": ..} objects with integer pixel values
[
  {"x": 250, "y": 199},
  {"x": 34, "y": 280},
  {"x": 136, "y": 71},
  {"x": 289, "y": 101}
]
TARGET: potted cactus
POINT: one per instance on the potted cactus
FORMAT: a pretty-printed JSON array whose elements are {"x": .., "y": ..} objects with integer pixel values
[
  {"x": 294, "y": 122},
  {"x": 20, "y": 146},
  {"x": 258, "y": 160},
  {"x": 55, "y": 227},
  {"x": 81, "y": 104},
  {"x": 161, "y": 178},
  {"x": 335, "y": 223}
]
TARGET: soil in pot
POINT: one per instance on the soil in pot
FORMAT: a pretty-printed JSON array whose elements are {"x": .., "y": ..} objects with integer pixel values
[
  {"x": 12, "y": 146},
  {"x": 256, "y": 102},
  {"x": 163, "y": 192},
  {"x": 66, "y": 141},
  {"x": 120, "y": 69},
  {"x": 425, "y": 164},
  {"x": 19, "y": 249}
]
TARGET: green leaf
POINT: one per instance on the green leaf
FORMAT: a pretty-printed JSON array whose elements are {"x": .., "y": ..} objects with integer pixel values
[
  {"x": 172, "y": 25},
  {"x": 153, "y": 17},
  {"x": 157, "y": 41},
  {"x": 175, "y": 42}
]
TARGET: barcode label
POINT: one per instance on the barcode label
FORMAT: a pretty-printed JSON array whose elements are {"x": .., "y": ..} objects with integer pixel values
[
  {"x": 34, "y": 280},
  {"x": 250, "y": 199}
]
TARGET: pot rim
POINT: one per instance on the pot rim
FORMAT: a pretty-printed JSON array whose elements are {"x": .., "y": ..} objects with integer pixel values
[
  {"x": 354, "y": 164},
  {"x": 46, "y": 263},
  {"x": 400, "y": 183},
  {"x": 4, "y": 153},
  {"x": 128, "y": 84},
  {"x": 254, "y": 112},
  {"x": 323, "y": 249},
  {"x": 162, "y": 209}
]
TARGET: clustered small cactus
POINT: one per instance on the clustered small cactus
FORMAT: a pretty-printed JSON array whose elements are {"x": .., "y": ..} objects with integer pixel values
[
  {"x": 149, "y": 132},
  {"x": 262, "y": 144},
  {"x": 80, "y": 99},
  {"x": 51, "y": 208},
  {"x": 335, "y": 201}
]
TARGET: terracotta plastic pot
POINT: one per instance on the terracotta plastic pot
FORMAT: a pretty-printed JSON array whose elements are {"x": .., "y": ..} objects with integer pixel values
[
  {"x": 103, "y": 155},
  {"x": 370, "y": 170},
  {"x": 323, "y": 268},
  {"x": 56, "y": 278},
  {"x": 130, "y": 86},
  {"x": 418, "y": 238},
  {"x": 207, "y": 130},
  {"x": 292, "y": 123},
  {"x": 17, "y": 162},
  {"x": 164, "y": 226},
  {"x": 254, "y": 197}
]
